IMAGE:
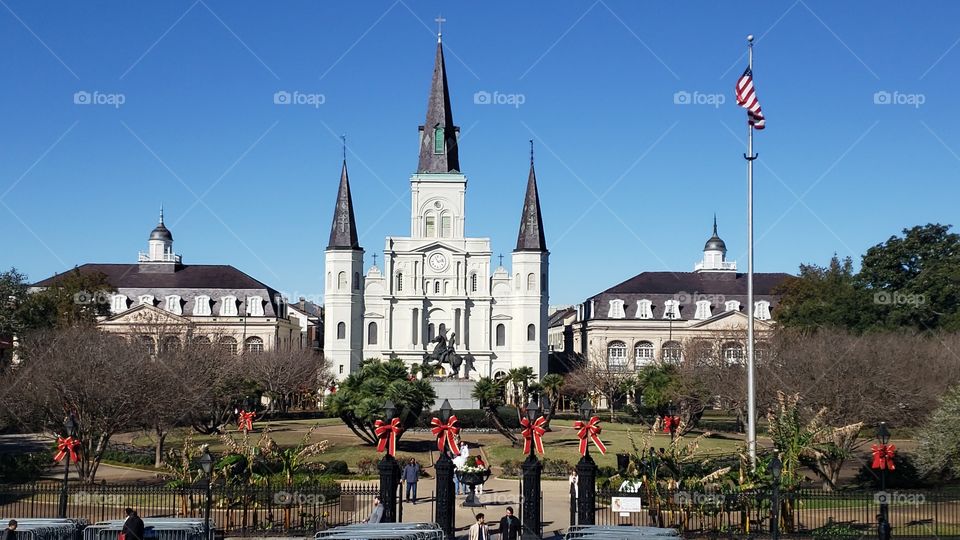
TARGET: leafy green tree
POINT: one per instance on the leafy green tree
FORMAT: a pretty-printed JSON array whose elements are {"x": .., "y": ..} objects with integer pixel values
[
  {"x": 359, "y": 399},
  {"x": 826, "y": 296},
  {"x": 76, "y": 298},
  {"x": 520, "y": 379},
  {"x": 938, "y": 452}
]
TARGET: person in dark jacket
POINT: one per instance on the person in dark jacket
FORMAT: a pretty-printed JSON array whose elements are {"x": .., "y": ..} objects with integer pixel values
[
  {"x": 411, "y": 475},
  {"x": 132, "y": 526},
  {"x": 509, "y": 526},
  {"x": 10, "y": 533}
]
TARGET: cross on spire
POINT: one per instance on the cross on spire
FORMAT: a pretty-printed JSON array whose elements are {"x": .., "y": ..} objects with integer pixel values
[
  {"x": 531, "y": 151},
  {"x": 440, "y": 20},
  {"x": 374, "y": 259},
  {"x": 343, "y": 139},
  {"x": 501, "y": 259}
]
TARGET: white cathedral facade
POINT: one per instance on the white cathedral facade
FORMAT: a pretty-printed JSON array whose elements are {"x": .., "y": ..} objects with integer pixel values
[{"x": 436, "y": 281}]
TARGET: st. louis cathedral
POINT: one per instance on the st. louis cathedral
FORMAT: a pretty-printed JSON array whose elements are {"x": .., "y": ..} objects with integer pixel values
[{"x": 437, "y": 290}]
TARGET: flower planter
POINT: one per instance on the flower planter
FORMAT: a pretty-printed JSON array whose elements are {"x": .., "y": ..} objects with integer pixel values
[{"x": 472, "y": 479}]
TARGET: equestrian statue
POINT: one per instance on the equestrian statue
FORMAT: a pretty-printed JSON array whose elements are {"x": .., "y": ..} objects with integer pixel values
[{"x": 444, "y": 353}]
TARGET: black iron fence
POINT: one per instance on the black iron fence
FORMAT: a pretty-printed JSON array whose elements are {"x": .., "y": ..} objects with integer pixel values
[
  {"x": 235, "y": 510},
  {"x": 803, "y": 513}
]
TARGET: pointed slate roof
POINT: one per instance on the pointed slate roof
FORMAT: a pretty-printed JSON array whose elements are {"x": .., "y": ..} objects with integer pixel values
[
  {"x": 715, "y": 242},
  {"x": 343, "y": 231},
  {"x": 531, "y": 236},
  {"x": 439, "y": 115}
]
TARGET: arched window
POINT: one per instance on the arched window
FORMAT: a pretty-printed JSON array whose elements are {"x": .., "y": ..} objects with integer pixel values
[
  {"x": 431, "y": 332},
  {"x": 171, "y": 344},
  {"x": 356, "y": 281},
  {"x": 672, "y": 352},
  {"x": 438, "y": 140},
  {"x": 253, "y": 345},
  {"x": 415, "y": 323},
  {"x": 341, "y": 330},
  {"x": 616, "y": 356},
  {"x": 148, "y": 345},
  {"x": 201, "y": 342},
  {"x": 643, "y": 353},
  {"x": 761, "y": 351},
  {"x": 732, "y": 353},
  {"x": 329, "y": 279},
  {"x": 516, "y": 281},
  {"x": 372, "y": 333},
  {"x": 446, "y": 226},
  {"x": 501, "y": 335},
  {"x": 228, "y": 345},
  {"x": 436, "y": 287},
  {"x": 473, "y": 282},
  {"x": 531, "y": 282},
  {"x": 341, "y": 281},
  {"x": 531, "y": 332},
  {"x": 430, "y": 225},
  {"x": 399, "y": 281}
]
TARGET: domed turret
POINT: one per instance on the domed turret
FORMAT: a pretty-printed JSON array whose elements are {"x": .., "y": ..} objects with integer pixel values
[
  {"x": 160, "y": 245},
  {"x": 715, "y": 254},
  {"x": 715, "y": 243},
  {"x": 161, "y": 232}
]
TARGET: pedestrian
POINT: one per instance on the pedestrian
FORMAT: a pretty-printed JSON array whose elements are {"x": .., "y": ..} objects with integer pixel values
[
  {"x": 10, "y": 533},
  {"x": 479, "y": 530},
  {"x": 480, "y": 463},
  {"x": 376, "y": 515},
  {"x": 411, "y": 475},
  {"x": 509, "y": 526},
  {"x": 132, "y": 526},
  {"x": 574, "y": 487}
]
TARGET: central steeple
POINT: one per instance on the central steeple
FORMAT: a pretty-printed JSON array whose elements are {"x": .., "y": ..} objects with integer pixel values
[{"x": 438, "y": 135}]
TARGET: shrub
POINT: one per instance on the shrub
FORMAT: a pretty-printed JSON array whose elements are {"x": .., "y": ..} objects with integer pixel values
[
  {"x": 836, "y": 530},
  {"x": 128, "y": 458},
  {"x": 904, "y": 475},
  {"x": 510, "y": 467},
  {"x": 366, "y": 466},
  {"x": 555, "y": 467},
  {"x": 337, "y": 467},
  {"x": 23, "y": 468}
]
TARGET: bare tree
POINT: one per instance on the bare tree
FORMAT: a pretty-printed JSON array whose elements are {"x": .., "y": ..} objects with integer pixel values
[
  {"x": 285, "y": 372},
  {"x": 595, "y": 377}
]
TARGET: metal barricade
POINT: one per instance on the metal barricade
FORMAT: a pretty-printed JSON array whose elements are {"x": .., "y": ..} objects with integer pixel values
[
  {"x": 154, "y": 529},
  {"x": 383, "y": 531},
  {"x": 613, "y": 532},
  {"x": 48, "y": 529}
]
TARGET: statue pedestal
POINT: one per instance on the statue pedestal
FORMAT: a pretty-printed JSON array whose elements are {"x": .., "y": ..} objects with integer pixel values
[{"x": 457, "y": 391}]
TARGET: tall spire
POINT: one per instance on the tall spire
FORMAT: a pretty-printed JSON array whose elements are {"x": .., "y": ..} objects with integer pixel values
[
  {"x": 715, "y": 224},
  {"x": 438, "y": 135},
  {"x": 343, "y": 231},
  {"x": 531, "y": 236}
]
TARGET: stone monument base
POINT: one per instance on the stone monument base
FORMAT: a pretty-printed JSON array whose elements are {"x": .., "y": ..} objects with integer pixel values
[{"x": 457, "y": 391}]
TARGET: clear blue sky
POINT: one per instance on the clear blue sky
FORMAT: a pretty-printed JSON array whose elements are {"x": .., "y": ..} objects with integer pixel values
[{"x": 837, "y": 172}]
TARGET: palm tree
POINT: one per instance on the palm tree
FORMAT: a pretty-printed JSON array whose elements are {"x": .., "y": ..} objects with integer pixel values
[
  {"x": 520, "y": 379},
  {"x": 551, "y": 384}
]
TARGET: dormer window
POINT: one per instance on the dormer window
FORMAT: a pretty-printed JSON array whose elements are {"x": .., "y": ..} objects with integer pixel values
[
  {"x": 255, "y": 306},
  {"x": 228, "y": 306},
  {"x": 616, "y": 309},
  {"x": 118, "y": 304},
  {"x": 146, "y": 300},
  {"x": 644, "y": 309},
  {"x": 761, "y": 310},
  {"x": 731, "y": 305},
  {"x": 671, "y": 309},
  {"x": 438, "y": 140},
  {"x": 172, "y": 304},
  {"x": 703, "y": 310},
  {"x": 201, "y": 305}
]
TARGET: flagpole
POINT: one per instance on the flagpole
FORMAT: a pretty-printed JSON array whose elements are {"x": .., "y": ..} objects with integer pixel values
[{"x": 751, "y": 384}]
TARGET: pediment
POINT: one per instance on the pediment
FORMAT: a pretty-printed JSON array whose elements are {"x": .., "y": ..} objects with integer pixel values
[
  {"x": 730, "y": 320},
  {"x": 501, "y": 317},
  {"x": 151, "y": 315},
  {"x": 438, "y": 244}
]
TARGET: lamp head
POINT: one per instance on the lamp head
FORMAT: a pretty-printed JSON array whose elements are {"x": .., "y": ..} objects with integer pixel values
[
  {"x": 69, "y": 426},
  {"x": 586, "y": 410},
  {"x": 446, "y": 411},
  {"x": 389, "y": 410},
  {"x": 776, "y": 468},
  {"x": 883, "y": 433},
  {"x": 206, "y": 462},
  {"x": 533, "y": 411}
]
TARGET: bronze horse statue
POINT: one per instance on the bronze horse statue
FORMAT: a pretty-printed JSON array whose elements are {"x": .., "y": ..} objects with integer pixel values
[{"x": 444, "y": 353}]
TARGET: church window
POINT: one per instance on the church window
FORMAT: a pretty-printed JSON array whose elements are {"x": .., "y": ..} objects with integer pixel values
[
  {"x": 329, "y": 279},
  {"x": 616, "y": 309},
  {"x": 644, "y": 309},
  {"x": 703, "y": 310},
  {"x": 436, "y": 287},
  {"x": 531, "y": 282},
  {"x": 172, "y": 304},
  {"x": 201, "y": 305},
  {"x": 118, "y": 303},
  {"x": 228, "y": 306},
  {"x": 438, "y": 140},
  {"x": 341, "y": 281},
  {"x": 516, "y": 281},
  {"x": 446, "y": 226},
  {"x": 356, "y": 281},
  {"x": 255, "y": 306},
  {"x": 671, "y": 309},
  {"x": 761, "y": 310},
  {"x": 643, "y": 353},
  {"x": 431, "y": 332},
  {"x": 672, "y": 352},
  {"x": 616, "y": 356},
  {"x": 731, "y": 305},
  {"x": 473, "y": 282},
  {"x": 146, "y": 300},
  {"x": 430, "y": 226},
  {"x": 531, "y": 332},
  {"x": 501, "y": 335},
  {"x": 446, "y": 287},
  {"x": 372, "y": 333},
  {"x": 399, "y": 281},
  {"x": 253, "y": 345},
  {"x": 341, "y": 330}
]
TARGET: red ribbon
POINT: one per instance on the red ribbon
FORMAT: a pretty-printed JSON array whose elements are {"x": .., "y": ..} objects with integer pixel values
[
  {"x": 66, "y": 446},
  {"x": 446, "y": 434},
  {"x": 387, "y": 433},
  {"x": 589, "y": 429},
  {"x": 670, "y": 423},
  {"x": 245, "y": 420},
  {"x": 883, "y": 456},
  {"x": 533, "y": 431}
]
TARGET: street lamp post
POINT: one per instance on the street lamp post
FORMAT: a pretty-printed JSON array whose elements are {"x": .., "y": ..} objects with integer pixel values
[
  {"x": 586, "y": 477},
  {"x": 69, "y": 430},
  {"x": 444, "y": 467},
  {"x": 776, "y": 470},
  {"x": 883, "y": 520},
  {"x": 206, "y": 465},
  {"x": 389, "y": 473},
  {"x": 532, "y": 469}
]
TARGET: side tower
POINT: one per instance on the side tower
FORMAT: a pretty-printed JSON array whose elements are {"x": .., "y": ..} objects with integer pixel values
[
  {"x": 531, "y": 268},
  {"x": 343, "y": 294}
]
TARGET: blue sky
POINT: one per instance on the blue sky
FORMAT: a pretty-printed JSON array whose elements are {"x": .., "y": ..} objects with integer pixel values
[{"x": 629, "y": 180}]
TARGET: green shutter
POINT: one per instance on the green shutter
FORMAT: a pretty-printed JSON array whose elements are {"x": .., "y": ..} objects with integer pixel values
[{"x": 438, "y": 140}]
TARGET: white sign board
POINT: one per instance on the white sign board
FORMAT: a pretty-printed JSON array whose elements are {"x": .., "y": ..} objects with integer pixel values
[{"x": 625, "y": 505}]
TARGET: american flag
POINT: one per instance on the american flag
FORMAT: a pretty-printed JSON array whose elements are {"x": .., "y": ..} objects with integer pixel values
[{"x": 747, "y": 98}]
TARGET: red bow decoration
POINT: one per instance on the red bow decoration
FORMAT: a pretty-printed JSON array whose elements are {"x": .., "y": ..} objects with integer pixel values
[
  {"x": 446, "y": 434},
  {"x": 883, "y": 456},
  {"x": 589, "y": 429},
  {"x": 670, "y": 423},
  {"x": 67, "y": 445},
  {"x": 245, "y": 420},
  {"x": 387, "y": 433},
  {"x": 535, "y": 432}
]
